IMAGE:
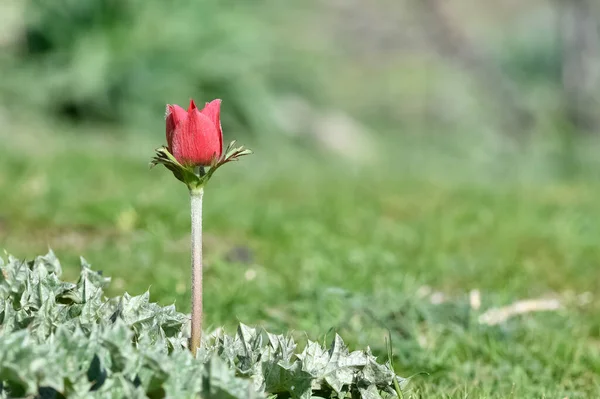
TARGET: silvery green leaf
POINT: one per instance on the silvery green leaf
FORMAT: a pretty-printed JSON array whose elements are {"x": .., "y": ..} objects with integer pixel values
[
  {"x": 285, "y": 347},
  {"x": 220, "y": 382},
  {"x": 371, "y": 392},
  {"x": 374, "y": 373},
  {"x": 291, "y": 379},
  {"x": 340, "y": 369},
  {"x": 251, "y": 342},
  {"x": 314, "y": 358}
]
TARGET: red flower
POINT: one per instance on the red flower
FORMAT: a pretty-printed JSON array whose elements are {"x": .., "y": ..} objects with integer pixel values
[{"x": 194, "y": 137}]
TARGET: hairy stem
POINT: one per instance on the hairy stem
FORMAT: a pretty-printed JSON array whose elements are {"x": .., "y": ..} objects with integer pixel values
[{"x": 196, "y": 205}]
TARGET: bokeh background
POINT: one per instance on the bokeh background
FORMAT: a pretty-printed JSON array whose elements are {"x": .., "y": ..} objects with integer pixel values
[{"x": 410, "y": 157}]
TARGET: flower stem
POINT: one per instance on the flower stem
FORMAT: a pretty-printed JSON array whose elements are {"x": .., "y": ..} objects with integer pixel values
[{"x": 196, "y": 206}]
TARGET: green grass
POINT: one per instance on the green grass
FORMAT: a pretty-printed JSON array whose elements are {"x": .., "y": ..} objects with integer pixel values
[{"x": 297, "y": 241}]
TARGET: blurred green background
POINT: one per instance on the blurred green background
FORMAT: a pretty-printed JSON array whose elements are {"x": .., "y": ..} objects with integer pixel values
[{"x": 406, "y": 154}]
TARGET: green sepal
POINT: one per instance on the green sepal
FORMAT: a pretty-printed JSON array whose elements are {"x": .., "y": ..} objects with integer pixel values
[
  {"x": 232, "y": 153},
  {"x": 187, "y": 174},
  {"x": 184, "y": 174}
]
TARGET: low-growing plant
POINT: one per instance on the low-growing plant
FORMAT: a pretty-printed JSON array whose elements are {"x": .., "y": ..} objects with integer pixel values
[{"x": 60, "y": 339}]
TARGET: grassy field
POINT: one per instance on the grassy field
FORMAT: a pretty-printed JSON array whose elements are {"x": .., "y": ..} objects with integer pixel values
[{"x": 296, "y": 241}]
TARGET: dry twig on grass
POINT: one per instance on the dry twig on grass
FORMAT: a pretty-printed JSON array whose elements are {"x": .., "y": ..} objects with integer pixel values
[{"x": 495, "y": 316}]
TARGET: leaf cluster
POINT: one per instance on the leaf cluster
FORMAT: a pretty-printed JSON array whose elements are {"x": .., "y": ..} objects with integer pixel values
[{"x": 61, "y": 339}]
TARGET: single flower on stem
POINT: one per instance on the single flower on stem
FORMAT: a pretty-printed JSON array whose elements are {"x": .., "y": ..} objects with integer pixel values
[{"x": 193, "y": 153}]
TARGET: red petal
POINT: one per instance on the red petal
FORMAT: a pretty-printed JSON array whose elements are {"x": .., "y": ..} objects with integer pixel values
[
  {"x": 175, "y": 114},
  {"x": 213, "y": 111},
  {"x": 192, "y": 106},
  {"x": 196, "y": 140}
]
